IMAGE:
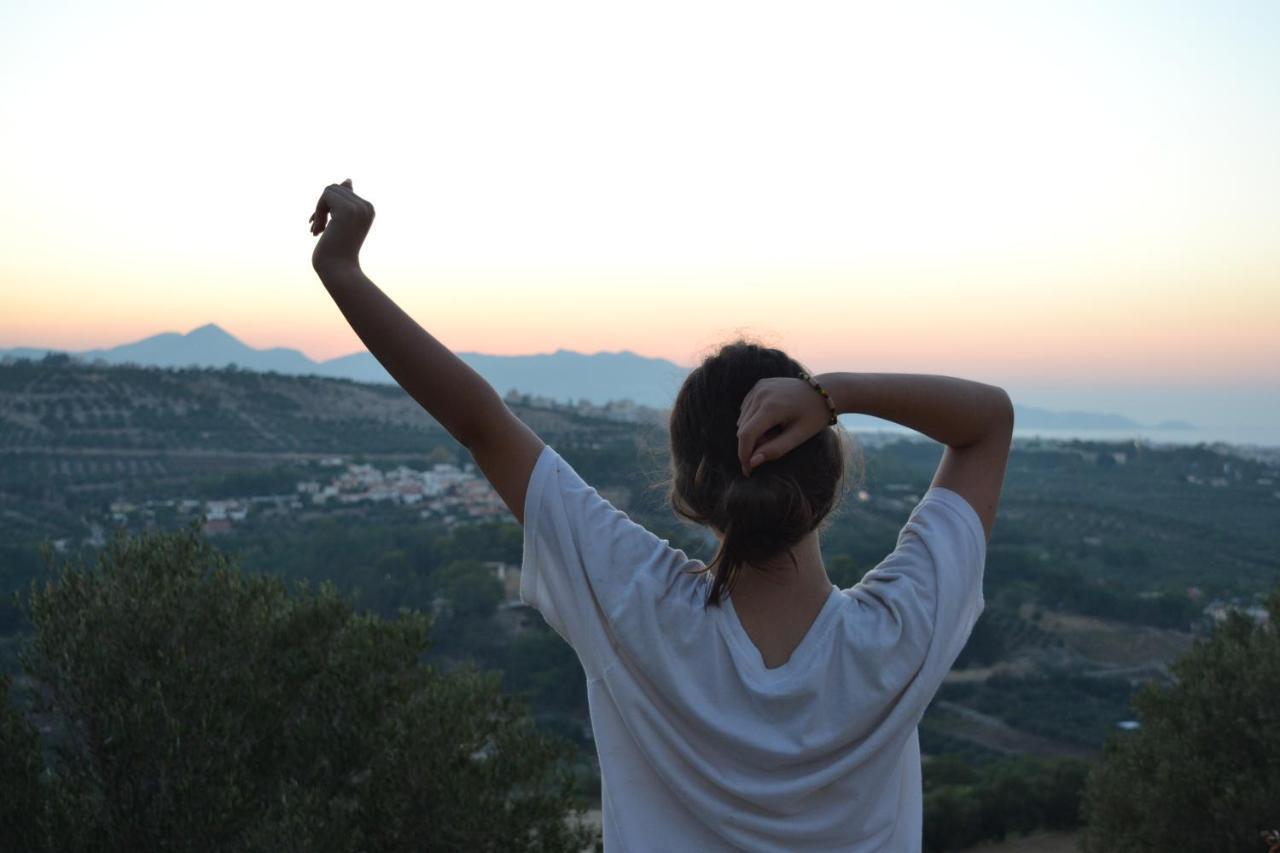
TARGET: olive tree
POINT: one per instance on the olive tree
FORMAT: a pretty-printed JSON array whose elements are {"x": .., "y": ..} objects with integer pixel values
[
  {"x": 1203, "y": 771},
  {"x": 185, "y": 705}
]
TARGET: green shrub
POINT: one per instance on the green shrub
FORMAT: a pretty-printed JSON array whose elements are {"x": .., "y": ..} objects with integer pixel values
[
  {"x": 1203, "y": 771},
  {"x": 192, "y": 707}
]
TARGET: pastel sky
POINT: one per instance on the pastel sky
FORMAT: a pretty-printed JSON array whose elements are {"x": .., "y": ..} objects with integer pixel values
[{"x": 1078, "y": 201}]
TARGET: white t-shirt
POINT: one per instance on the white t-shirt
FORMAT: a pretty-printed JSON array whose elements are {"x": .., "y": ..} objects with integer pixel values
[{"x": 704, "y": 748}]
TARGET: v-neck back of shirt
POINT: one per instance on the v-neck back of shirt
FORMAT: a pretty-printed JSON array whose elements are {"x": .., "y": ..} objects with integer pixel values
[{"x": 749, "y": 654}]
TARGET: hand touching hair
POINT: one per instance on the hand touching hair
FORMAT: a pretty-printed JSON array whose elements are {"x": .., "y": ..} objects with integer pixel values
[
  {"x": 778, "y": 414},
  {"x": 752, "y": 458}
]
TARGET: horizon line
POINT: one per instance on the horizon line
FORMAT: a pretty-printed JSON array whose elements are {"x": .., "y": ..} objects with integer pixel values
[{"x": 302, "y": 352}]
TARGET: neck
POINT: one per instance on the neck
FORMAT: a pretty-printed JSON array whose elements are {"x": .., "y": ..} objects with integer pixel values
[
  {"x": 778, "y": 603},
  {"x": 780, "y": 582}
]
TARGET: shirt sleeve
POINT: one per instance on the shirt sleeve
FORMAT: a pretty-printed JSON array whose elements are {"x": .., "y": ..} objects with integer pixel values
[
  {"x": 927, "y": 594},
  {"x": 588, "y": 568}
]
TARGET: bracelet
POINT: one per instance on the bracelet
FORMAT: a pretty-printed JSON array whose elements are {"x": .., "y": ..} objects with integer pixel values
[{"x": 823, "y": 391}]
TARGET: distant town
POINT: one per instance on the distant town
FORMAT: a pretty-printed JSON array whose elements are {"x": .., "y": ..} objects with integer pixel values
[
  {"x": 444, "y": 492},
  {"x": 625, "y": 411},
  {"x": 450, "y": 494}
]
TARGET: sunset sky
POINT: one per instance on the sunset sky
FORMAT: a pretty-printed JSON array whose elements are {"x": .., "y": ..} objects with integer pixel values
[{"x": 1080, "y": 202}]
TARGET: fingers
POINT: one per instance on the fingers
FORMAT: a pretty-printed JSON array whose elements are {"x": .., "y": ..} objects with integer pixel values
[
  {"x": 332, "y": 194},
  {"x": 750, "y": 426},
  {"x": 343, "y": 196},
  {"x": 776, "y": 442},
  {"x": 320, "y": 216},
  {"x": 747, "y": 410},
  {"x": 751, "y": 450},
  {"x": 785, "y": 442},
  {"x": 343, "y": 190},
  {"x": 746, "y": 444}
]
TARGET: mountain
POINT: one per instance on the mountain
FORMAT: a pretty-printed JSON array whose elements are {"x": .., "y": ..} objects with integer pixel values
[
  {"x": 563, "y": 375},
  {"x": 207, "y": 346},
  {"x": 1029, "y": 418},
  {"x": 23, "y": 352},
  {"x": 1032, "y": 418}
]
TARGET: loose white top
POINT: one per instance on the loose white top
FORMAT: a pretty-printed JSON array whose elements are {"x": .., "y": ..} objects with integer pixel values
[{"x": 701, "y": 746}]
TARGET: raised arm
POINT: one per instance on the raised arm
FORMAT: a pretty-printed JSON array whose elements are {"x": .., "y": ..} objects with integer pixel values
[
  {"x": 973, "y": 420},
  {"x": 503, "y": 446}
]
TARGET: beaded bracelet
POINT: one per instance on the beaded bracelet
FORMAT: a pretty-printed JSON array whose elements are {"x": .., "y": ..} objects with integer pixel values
[{"x": 823, "y": 391}]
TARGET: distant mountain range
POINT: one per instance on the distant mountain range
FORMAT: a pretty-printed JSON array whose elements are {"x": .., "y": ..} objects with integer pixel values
[{"x": 563, "y": 375}]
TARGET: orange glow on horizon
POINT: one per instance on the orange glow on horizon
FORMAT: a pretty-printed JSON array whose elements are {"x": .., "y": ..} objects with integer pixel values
[{"x": 1101, "y": 335}]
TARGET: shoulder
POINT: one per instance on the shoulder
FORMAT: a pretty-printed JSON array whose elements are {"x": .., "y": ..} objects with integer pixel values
[
  {"x": 947, "y": 518},
  {"x": 582, "y": 547}
]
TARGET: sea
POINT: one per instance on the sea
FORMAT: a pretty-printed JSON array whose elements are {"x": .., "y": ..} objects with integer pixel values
[{"x": 1262, "y": 441}]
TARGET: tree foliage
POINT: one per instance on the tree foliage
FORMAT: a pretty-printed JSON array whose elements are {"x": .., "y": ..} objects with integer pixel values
[
  {"x": 189, "y": 706},
  {"x": 1203, "y": 771},
  {"x": 964, "y": 806}
]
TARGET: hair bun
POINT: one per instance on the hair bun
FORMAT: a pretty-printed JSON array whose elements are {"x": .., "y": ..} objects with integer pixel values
[
  {"x": 761, "y": 517},
  {"x": 767, "y": 511}
]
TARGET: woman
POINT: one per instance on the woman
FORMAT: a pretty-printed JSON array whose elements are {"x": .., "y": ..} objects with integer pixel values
[{"x": 748, "y": 704}]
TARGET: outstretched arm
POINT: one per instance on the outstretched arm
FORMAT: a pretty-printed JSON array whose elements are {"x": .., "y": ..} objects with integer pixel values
[{"x": 503, "y": 446}]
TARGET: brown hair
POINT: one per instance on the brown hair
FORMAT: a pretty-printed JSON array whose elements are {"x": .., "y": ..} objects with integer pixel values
[{"x": 763, "y": 515}]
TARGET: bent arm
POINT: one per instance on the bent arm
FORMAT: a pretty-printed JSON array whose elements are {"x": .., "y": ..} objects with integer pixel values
[
  {"x": 955, "y": 412},
  {"x": 974, "y": 420}
]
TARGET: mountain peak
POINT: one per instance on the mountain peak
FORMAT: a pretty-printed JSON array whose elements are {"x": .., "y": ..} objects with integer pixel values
[{"x": 210, "y": 331}]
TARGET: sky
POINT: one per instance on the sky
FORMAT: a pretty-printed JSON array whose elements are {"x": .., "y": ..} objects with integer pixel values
[{"x": 1076, "y": 201}]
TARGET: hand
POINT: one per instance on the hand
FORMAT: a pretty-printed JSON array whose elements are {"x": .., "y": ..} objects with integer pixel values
[
  {"x": 780, "y": 413},
  {"x": 343, "y": 234}
]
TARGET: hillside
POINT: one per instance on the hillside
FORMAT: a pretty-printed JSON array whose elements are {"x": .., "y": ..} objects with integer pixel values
[
  {"x": 1106, "y": 558},
  {"x": 562, "y": 375},
  {"x": 64, "y": 405},
  {"x": 72, "y": 437},
  {"x": 1128, "y": 516}
]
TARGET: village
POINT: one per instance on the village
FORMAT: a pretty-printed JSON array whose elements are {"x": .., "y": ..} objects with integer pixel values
[
  {"x": 450, "y": 494},
  {"x": 443, "y": 492}
]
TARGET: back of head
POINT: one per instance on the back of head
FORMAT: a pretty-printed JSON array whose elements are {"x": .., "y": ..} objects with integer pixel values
[{"x": 762, "y": 516}]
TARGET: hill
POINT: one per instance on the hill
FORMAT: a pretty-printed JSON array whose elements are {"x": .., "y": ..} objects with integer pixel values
[
  {"x": 1129, "y": 516},
  {"x": 1105, "y": 561},
  {"x": 563, "y": 375}
]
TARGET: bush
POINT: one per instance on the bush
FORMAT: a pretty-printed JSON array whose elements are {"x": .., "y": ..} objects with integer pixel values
[
  {"x": 1203, "y": 771},
  {"x": 192, "y": 707},
  {"x": 22, "y": 799},
  {"x": 1008, "y": 797}
]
